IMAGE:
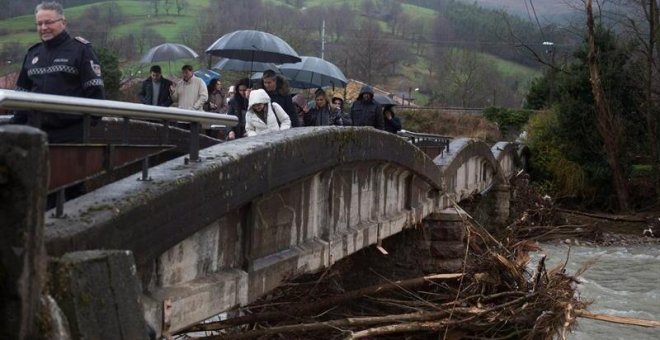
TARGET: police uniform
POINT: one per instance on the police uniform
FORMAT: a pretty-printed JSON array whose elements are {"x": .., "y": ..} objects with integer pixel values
[{"x": 62, "y": 66}]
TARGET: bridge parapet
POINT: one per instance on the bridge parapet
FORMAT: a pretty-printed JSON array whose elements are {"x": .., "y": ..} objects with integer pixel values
[
  {"x": 252, "y": 212},
  {"x": 211, "y": 235}
]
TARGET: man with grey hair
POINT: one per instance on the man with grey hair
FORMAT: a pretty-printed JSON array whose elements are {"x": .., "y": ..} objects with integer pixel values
[{"x": 60, "y": 65}]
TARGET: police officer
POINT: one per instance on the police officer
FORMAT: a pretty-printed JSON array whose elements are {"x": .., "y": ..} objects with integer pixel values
[{"x": 59, "y": 65}]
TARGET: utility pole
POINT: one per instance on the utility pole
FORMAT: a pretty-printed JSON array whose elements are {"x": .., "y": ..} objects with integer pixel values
[{"x": 323, "y": 40}]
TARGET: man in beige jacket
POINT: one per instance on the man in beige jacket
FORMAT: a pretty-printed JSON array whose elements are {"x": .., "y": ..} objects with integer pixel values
[{"x": 190, "y": 92}]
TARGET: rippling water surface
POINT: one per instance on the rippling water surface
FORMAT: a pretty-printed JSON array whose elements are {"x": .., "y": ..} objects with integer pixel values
[{"x": 625, "y": 281}]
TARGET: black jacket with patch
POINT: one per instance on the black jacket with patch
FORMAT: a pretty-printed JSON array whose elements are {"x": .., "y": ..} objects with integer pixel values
[{"x": 61, "y": 66}]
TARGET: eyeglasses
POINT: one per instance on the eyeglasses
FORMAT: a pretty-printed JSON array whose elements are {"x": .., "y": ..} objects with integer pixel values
[{"x": 48, "y": 22}]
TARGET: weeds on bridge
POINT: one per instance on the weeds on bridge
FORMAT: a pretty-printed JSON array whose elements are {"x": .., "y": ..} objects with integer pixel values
[{"x": 370, "y": 295}]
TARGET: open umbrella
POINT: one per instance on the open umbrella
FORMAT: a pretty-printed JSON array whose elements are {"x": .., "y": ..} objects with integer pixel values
[
  {"x": 242, "y": 65},
  {"x": 313, "y": 72},
  {"x": 168, "y": 52},
  {"x": 253, "y": 46},
  {"x": 384, "y": 100},
  {"x": 207, "y": 75}
]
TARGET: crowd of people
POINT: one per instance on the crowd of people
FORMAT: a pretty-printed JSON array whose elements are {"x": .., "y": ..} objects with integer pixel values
[{"x": 72, "y": 68}]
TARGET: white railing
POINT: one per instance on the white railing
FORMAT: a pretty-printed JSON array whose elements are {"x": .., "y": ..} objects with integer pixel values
[
  {"x": 46, "y": 103},
  {"x": 17, "y": 100}
]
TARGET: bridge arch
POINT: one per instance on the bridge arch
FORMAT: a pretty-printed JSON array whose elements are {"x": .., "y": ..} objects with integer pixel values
[{"x": 218, "y": 233}]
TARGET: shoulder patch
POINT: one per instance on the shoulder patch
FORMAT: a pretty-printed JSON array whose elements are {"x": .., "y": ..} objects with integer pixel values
[{"x": 82, "y": 40}]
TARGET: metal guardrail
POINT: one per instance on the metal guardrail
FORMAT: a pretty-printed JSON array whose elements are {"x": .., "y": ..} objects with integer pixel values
[
  {"x": 15, "y": 100},
  {"x": 427, "y": 140}
]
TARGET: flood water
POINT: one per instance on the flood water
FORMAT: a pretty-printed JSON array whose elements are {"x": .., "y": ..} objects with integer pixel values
[{"x": 625, "y": 281}]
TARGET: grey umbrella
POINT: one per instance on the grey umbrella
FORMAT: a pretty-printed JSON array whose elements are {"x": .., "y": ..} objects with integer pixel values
[
  {"x": 242, "y": 65},
  {"x": 384, "y": 100},
  {"x": 168, "y": 52},
  {"x": 253, "y": 46},
  {"x": 312, "y": 72}
]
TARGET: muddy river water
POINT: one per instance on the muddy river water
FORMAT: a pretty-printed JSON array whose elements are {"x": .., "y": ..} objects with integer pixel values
[{"x": 624, "y": 281}]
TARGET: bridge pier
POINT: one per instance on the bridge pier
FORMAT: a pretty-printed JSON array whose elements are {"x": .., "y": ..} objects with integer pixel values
[
  {"x": 443, "y": 235},
  {"x": 502, "y": 204},
  {"x": 99, "y": 292},
  {"x": 23, "y": 182}
]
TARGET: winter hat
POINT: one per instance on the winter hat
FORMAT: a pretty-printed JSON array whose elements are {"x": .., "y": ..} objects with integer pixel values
[{"x": 300, "y": 100}]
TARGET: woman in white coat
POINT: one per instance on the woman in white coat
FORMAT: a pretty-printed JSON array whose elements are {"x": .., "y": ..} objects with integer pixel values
[{"x": 263, "y": 116}]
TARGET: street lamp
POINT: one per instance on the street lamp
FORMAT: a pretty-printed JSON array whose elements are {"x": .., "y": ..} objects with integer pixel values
[
  {"x": 410, "y": 96},
  {"x": 550, "y": 49}
]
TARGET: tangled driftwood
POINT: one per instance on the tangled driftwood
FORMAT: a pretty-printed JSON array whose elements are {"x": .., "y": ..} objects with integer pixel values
[{"x": 496, "y": 296}]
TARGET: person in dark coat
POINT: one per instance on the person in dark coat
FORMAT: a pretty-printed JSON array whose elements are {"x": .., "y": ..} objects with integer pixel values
[
  {"x": 278, "y": 90},
  {"x": 392, "y": 122},
  {"x": 238, "y": 105},
  {"x": 322, "y": 113},
  {"x": 338, "y": 104},
  {"x": 156, "y": 89},
  {"x": 59, "y": 65},
  {"x": 365, "y": 111}
]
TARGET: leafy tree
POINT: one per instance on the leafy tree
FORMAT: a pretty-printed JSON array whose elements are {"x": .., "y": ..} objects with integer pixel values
[
  {"x": 508, "y": 120},
  {"x": 576, "y": 131},
  {"x": 110, "y": 72}
]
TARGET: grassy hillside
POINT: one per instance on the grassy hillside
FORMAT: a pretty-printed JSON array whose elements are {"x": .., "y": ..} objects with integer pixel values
[{"x": 137, "y": 16}]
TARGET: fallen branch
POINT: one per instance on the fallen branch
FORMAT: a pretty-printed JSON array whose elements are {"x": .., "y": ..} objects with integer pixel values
[
  {"x": 618, "y": 319},
  {"x": 604, "y": 216},
  {"x": 468, "y": 312},
  {"x": 308, "y": 308}
]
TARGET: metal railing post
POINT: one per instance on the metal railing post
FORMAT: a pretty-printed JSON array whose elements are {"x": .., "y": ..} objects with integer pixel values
[
  {"x": 59, "y": 203},
  {"x": 145, "y": 170},
  {"x": 87, "y": 126},
  {"x": 195, "y": 129},
  {"x": 125, "y": 130}
]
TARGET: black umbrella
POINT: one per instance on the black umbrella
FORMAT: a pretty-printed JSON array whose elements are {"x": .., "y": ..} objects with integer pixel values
[
  {"x": 313, "y": 72},
  {"x": 253, "y": 46},
  {"x": 242, "y": 65},
  {"x": 384, "y": 100}
]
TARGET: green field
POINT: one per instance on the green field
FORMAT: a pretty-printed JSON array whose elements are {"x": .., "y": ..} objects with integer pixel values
[{"x": 137, "y": 16}]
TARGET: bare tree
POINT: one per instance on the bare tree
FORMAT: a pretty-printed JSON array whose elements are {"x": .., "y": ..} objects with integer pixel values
[
  {"x": 167, "y": 6},
  {"x": 465, "y": 79},
  {"x": 370, "y": 52},
  {"x": 180, "y": 6},
  {"x": 639, "y": 19},
  {"x": 607, "y": 123},
  {"x": 154, "y": 4},
  {"x": 339, "y": 21}
]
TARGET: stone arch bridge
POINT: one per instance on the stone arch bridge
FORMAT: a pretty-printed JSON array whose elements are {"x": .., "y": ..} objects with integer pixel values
[{"x": 210, "y": 235}]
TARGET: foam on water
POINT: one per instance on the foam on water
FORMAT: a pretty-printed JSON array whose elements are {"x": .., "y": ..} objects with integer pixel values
[{"x": 622, "y": 282}]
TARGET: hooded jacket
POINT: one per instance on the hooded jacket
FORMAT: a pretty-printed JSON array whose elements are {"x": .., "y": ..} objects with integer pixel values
[
  {"x": 366, "y": 112},
  {"x": 255, "y": 125},
  {"x": 282, "y": 97}
]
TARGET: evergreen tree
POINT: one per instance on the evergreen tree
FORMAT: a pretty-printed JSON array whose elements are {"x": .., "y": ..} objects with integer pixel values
[
  {"x": 576, "y": 130},
  {"x": 110, "y": 72}
]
